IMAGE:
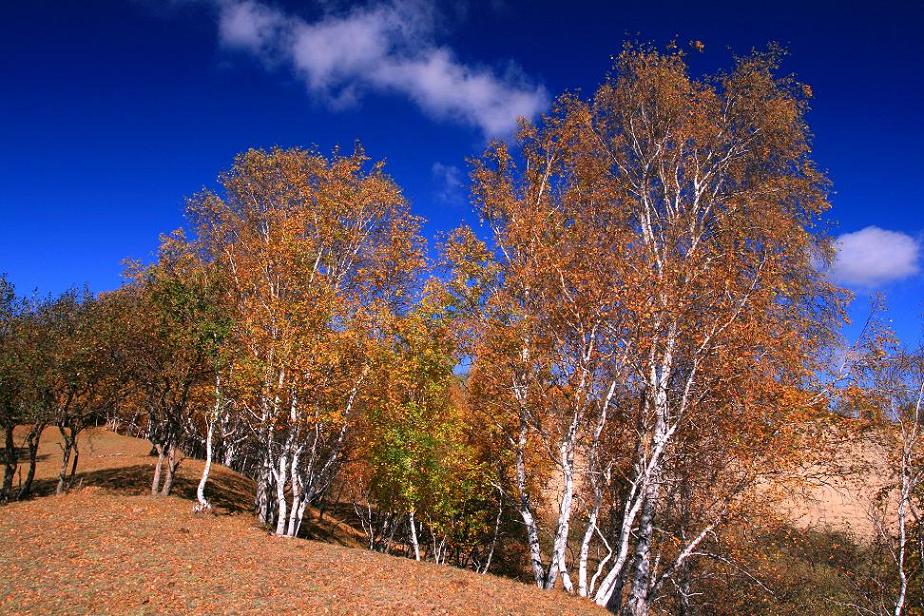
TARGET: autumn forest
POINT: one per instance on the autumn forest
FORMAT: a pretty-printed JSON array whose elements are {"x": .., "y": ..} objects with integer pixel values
[{"x": 612, "y": 388}]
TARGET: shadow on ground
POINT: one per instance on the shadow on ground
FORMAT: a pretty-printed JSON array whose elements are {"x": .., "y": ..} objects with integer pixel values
[{"x": 226, "y": 492}]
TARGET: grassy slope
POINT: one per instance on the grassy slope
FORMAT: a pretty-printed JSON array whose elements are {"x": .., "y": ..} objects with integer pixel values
[{"x": 109, "y": 548}]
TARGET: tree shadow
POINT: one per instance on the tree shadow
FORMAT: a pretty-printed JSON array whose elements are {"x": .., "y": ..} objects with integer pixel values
[
  {"x": 226, "y": 492},
  {"x": 333, "y": 523},
  {"x": 22, "y": 455}
]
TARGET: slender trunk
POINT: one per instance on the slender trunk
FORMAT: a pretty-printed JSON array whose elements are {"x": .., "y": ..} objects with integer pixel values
[
  {"x": 262, "y": 498},
  {"x": 641, "y": 577},
  {"x": 414, "y": 544},
  {"x": 638, "y": 598},
  {"x": 70, "y": 478},
  {"x": 10, "y": 462},
  {"x": 392, "y": 525},
  {"x": 281, "y": 505},
  {"x": 301, "y": 515},
  {"x": 595, "y": 477},
  {"x": 155, "y": 483},
  {"x": 69, "y": 436},
  {"x": 609, "y": 593},
  {"x": 686, "y": 607},
  {"x": 32, "y": 444},
  {"x": 203, "y": 503},
  {"x": 172, "y": 463},
  {"x": 264, "y": 486},
  {"x": 295, "y": 506},
  {"x": 904, "y": 496},
  {"x": 297, "y": 496},
  {"x": 523, "y": 504},
  {"x": 558, "y": 565},
  {"x": 526, "y": 513},
  {"x": 62, "y": 476},
  {"x": 497, "y": 524},
  {"x": 228, "y": 456},
  {"x": 583, "y": 589}
]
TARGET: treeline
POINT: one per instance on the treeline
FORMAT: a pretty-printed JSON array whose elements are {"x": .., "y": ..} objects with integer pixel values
[{"x": 606, "y": 391}]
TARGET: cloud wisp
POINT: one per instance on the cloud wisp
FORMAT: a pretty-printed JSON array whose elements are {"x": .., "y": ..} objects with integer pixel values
[
  {"x": 388, "y": 47},
  {"x": 872, "y": 257},
  {"x": 450, "y": 188}
]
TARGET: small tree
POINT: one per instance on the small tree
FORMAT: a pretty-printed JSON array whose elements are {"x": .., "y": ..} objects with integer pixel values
[
  {"x": 174, "y": 331},
  {"x": 897, "y": 390},
  {"x": 426, "y": 477},
  {"x": 15, "y": 366},
  {"x": 84, "y": 378}
]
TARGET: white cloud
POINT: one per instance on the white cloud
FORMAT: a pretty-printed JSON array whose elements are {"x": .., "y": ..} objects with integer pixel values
[
  {"x": 449, "y": 185},
  {"x": 249, "y": 25},
  {"x": 388, "y": 48},
  {"x": 873, "y": 256}
]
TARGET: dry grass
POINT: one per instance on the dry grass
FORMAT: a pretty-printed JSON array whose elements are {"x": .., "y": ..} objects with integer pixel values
[{"x": 109, "y": 548}]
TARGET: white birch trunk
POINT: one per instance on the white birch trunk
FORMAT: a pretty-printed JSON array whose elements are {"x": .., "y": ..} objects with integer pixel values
[
  {"x": 203, "y": 503},
  {"x": 584, "y": 589},
  {"x": 297, "y": 507},
  {"x": 910, "y": 479},
  {"x": 281, "y": 505},
  {"x": 414, "y": 542},
  {"x": 525, "y": 509},
  {"x": 558, "y": 564}
]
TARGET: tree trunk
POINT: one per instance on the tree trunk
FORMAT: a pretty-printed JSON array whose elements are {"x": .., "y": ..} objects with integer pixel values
[
  {"x": 298, "y": 498},
  {"x": 262, "y": 499},
  {"x": 69, "y": 448},
  {"x": 558, "y": 565},
  {"x": 584, "y": 588},
  {"x": 204, "y": 505},
  {"x": 172, "y": 463},
  {"x": 609, "y": 593},
  {"x": 62, "y": 476},
  {"x": 155, "y": 483},
  {"x": 532, "y": 530},
  {"x": 614, "y": 603},
  {"x": 301, "y": 515},
  {"x": 281, "y": 505},
  {"x": 497, "y": 525},
  {"x": 9, "y": 463},
  {"x": 414, "y": 542},
  {"x": 70, "y": 478},
  {"x": 639, "y": 597},
  {"x": 596, "y": 478},
  {"x": 228, "y": 455},
  {"x": 32, "y": 444}
]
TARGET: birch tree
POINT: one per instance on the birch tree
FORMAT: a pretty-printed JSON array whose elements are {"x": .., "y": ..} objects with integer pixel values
[
  {"x": 311, "y": 249},
  {"x": 895, "y": 388},
  {"x": 907, "y": 408},
  {"x": 658, "y": 303}
]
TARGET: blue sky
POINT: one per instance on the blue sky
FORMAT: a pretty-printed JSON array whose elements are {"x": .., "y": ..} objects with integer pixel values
[{"x": 112, "y": 112}]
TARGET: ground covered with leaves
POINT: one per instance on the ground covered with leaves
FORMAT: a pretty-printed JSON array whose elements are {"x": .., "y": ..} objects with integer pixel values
[{"x": 108, "y": 548}]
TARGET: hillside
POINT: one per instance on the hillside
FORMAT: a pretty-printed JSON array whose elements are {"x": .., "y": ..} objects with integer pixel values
[
  {"x": 839, "y": 493},
  {"x": 107, "y": 548}
]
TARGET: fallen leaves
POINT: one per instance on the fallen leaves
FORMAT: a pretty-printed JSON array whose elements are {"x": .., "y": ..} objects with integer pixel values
[{"x": 102, "y": 552}]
